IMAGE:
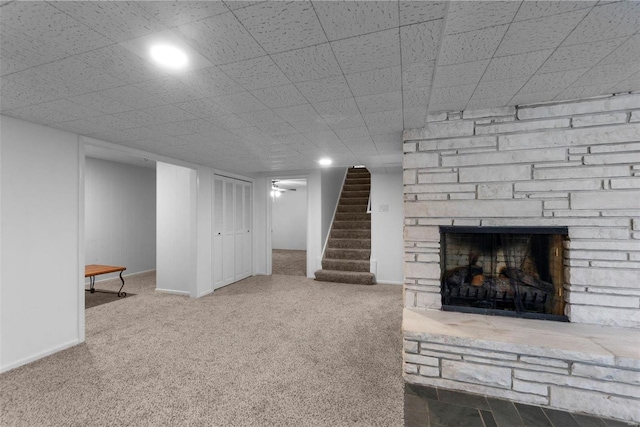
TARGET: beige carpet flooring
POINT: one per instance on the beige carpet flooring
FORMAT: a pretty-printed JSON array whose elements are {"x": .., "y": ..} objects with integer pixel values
[
  {"x": 267, "y": 351},
  {"x": 103, "y": 297},
  {"x": 288, "y": 262}
]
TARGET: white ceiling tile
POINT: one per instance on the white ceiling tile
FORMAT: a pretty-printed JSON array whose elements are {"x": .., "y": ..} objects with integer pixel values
[
  {"x": 607, "y": 74},
  {"x": 452, "y": 94},
  {"x": 309, "y": 63},
  {"x": 170, "y": 113},
  {"x": 260, "y": 117},
  {"x": 629, "y": 51},
  {"x": 256, "y": 73},
  {"x": 420, "y": 42},
  {"x": 229, "y": 121},
  {"x": 532, "y": 98},
  {"x": 476, "y": 104},
  {"x": 20, "y": 52},
  {"x": 580, "y": 55},
  {"x": 413, "y": 118},
  {"x": 416, "y": 98},
  {"x": 303, "y": 113},
  {"x": 325, "y": 138},
  {"x": 607, "y": 22},
  {"x": 274, "y": 129},
  {"x": 392, "y": 139},
  {"x": 118, "y": 21},
  {"x": 368, "y": 52},
  {"x": 629, "y": 85},
  {"x": 221, "y": 39},
  {"x": 471, "y": 46},
  {"x": 174, "y": 13},
  {"x": 239, "y": 4},
  {"x": 352, "y": 133},
  {"x": 202, "y": 108},
  {"x": 345, "y": 122},
  {"x": 376, "y": 81},
  {"x": 173, "y": 129},
  {"x": 460, "y": 74},
  {"x": 113, "y": 122},
  {"x": 82, "y": 126},
  {"x": 281, "y": 26},
  {"x": 169, "y": 89},
  {"x": 515, "y": 66},
  {"x": 210, "y": 82},
  {"x": 498, "y": 89},
  {"x": 539, "y": 34},
  {"x": 540, "y": 9},
  {"x": 552, "y": 81},
  {"x": 577, "y": 92},
  {"x": 132, "y": 96},
  {"x": 435, "y": 107},
  {"x": 138, "y": 118},
  {"x": 328, "y": 89},
  {"x": 71, "y": 108},
  {"x": 239, "y": 102},
  {"x": 343, "y": 107},
  {"x": 14, "y": 95},
  {"x": 384, "y": 122},
  {"x": 310, "y": 126},
  {"x": 464, "y": 16},
  {"x": 280, "y": 96},
  {"x": 380, "y": 102},
  {"x": 39, "y": 114},
  {"x": 418, "y": 75},
  {"x": 341, "y": 20},
  {"x": 413, "y": 12}
]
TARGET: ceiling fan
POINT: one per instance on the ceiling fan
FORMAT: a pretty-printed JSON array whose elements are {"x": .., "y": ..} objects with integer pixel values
[{"x": 276, "y": 191}]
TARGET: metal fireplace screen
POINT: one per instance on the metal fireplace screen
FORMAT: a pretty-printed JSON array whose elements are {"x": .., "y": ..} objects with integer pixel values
[{"x": 503, "y": 271}]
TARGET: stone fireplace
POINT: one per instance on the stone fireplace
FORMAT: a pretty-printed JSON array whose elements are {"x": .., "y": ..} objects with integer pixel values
[{"x": 572, "y": 168}]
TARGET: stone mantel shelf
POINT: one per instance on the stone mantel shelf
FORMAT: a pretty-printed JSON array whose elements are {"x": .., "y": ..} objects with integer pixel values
[{"x": 587, "y": 343}]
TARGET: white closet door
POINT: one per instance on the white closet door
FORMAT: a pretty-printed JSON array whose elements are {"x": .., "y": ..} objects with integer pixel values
[
  {"x": 239, "y": 228},
  {"x": 228, "y": 233},
  {"x": 247, "y": 230},
  {"x": 218, "y": 229}
]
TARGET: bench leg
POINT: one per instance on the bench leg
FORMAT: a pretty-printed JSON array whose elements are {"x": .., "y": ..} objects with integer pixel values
[
  {"x": 120, "y": 293},
  {"x": 92, "y": 283}
]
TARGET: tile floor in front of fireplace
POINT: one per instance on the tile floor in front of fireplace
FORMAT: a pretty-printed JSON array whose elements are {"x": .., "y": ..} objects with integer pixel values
[{"x": 433, "y": 407}]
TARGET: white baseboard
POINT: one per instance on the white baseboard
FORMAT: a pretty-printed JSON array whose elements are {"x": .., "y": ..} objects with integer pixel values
[
  {"x": 40, "y": 355},
  {"x": 174, "y": 292},
  {"x": 210, "y": 291}
]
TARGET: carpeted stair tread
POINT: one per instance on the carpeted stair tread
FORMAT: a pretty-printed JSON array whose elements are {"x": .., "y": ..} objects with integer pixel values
[
  {"x": 353, "y": 181},
  {"x": 355, "y": 193},
  {"x": 357, "y": 187},
  {"x": 352, "y": 216},
  {"x": 352, "y": 208},
  {"x": 349, "y": 243},
  {"x": 343, "y": 253},
  {"x": 352, "y": 225},
  {"x": 345, "y": 265},
  {"x": 354, "y": 201},
  {"x": 350, "y": 234},
  {"x": 357, "y": 278}
]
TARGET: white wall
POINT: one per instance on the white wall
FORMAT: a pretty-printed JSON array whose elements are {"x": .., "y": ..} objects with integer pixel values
[
  {"x": 332, "y": 180},
  {"x": 120, "y": 216},
  {"x": 176, "y": 230},
  {"x": 205, "y": 225},
  {"x": 314, "y": 224},
  {"x": 387, "y": 247},
  {"x": 41, "y": 280},
  {"x": 289, "y": 220}
]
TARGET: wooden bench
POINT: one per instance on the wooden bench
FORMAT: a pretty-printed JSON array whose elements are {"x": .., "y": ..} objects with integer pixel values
[{"x": 93, "y": 270}]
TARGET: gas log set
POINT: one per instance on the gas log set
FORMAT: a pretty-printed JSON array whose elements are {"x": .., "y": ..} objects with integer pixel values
[{"x": 511, "y": 272}]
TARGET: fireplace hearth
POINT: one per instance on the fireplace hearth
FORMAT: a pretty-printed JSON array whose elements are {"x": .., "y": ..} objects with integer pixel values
[{"x": 514, "y": 271}]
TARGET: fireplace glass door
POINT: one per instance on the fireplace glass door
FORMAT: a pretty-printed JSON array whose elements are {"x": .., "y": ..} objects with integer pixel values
[{"x": 504, "y": 271}]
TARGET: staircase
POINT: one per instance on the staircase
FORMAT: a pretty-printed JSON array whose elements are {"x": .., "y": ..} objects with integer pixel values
[{"x": 346, "y": 258}]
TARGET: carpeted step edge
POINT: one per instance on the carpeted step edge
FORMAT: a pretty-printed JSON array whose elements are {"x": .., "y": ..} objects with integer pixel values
[{"x": 355, "y": 278}]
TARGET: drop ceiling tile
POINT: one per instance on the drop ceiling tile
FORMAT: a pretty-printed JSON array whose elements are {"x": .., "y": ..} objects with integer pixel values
[
  {"x": 14, "y": 95},
  {"x": 99, "y": 102},
  {"x": 310, "y": 126},
  {"x": 580, "y": 55},
  {"x": 282, "y": 26},
  {"x": 460, "y": 74},
  {"x": 174, "y": 13},
  {"x": 384, "y": 122},
  {"x": 303, "y": 112},
  {"x": 464, "y": 16},
  {"x": 221, "y": 39},
  {"x": 376, "y": 81},
  {"x": 498, "y": 89},
  {"x": 471, "y": 46},
  {"x": 345, "y": 122},
  {"x": 393, "y": 139},
  {"x": 39, "y": 114},
  {"x": 515, "y": 66},
  {"x": 413, "y": 12},
  {"x": 580, "y": 92},
  {"x": 629, "y": 85},
  {"x": 420, "y": 42},
  {"x": 368, "y": 52},
  {"x": 607, "y": 74},
  {"x": 71, "y": 108},
  {"x": 256, "y": 73},
  {"x": 309, "y": 63},
  {"x": 629, "y": 51},
  {"x": 476, "y": 104},
  {"x": 114, "y": 122},
  {"x": 118, "y": 21},
  {"x": 416, "y": 98},
  {"x": 533, "y": 98},
  {"x": 19, "y": 52},
  {"x": 239, "y": 4},
  {"x": 352, "y": 133},
  {"x": 447, "y": 106},
  {"x": 605, "y": 22},
  {"x": 328, "y": 89},
  {"x": 274, "y": 129},
  {"x": 230, "y": 121},
  {"x": 344, "y": 107},
  {"x": 260, "y": 117},
  {"x": 413, "y": 118},
  {"x": 418, "y": 75},
  {"x": 540, "y": 9},
  {"x": 202, "y": 108},
  {"x": 82, "y": 126},
  {"x": 341, "y": 20},
  {"x": 539, "y": 34},
  {"x": 170, "y": 113},
  {"x": 133, "y": 96},
  {"x": 239, "y": 102},
  {"x": 452, "y": 94},
  {"x": 380, "y": 102},
  {"x": 169, "y": 89},
  {"x": 138, "y": 118},
  {"x": 552, "y": 81},
  {"x": 173, "y": 129},
  {"x": 280, "y": 96},
  {"x": 210, "y": 82}
]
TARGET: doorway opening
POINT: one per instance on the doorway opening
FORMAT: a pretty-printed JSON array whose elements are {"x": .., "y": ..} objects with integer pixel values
[{"x": 289, "y": 217}]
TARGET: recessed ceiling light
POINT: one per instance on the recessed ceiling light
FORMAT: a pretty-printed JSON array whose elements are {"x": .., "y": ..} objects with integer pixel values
[
  {"x": 169, "y": 56},
  {"x": 325, "y": 161}
]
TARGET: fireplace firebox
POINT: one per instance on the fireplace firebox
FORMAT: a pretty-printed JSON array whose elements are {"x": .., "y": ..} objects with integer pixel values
[{"x": 505, "y": 271}]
